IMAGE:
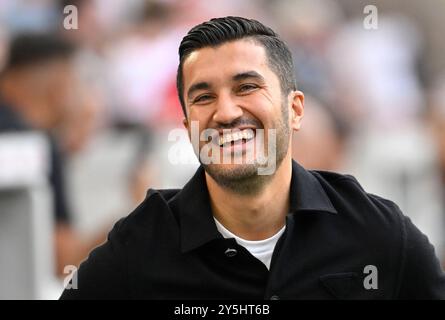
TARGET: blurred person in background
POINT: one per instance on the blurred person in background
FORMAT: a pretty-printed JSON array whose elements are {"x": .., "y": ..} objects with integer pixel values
[
  {"x": 141, "y": 66},
  {"x": 323, "y": 140},
  {"x": 142, "y": 63},
  {"x": 374, "y": 75},
  {"x": 378, "y": 91},
  {"x": 308, "y": 26},
  {"x": 37, "y": 92},
  {"x": 90, "y": 71},
  {"x": 436, "y": 119}
]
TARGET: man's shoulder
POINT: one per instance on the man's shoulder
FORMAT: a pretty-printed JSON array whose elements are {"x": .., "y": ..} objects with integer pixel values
[
  {"x": 335, "y": 178},
  {"x": 157, "y": 209},
  {"x": 351, "y": 200},
  {"x": 346, "y": 185}
]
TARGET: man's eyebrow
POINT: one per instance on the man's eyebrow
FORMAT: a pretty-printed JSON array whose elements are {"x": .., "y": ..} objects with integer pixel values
[
  {"x": 247, "y": 75},
  {"x": 196, "y": 87}
]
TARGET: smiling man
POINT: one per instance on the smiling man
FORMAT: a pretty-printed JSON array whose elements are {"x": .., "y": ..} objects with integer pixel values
[{"x": 236, "y": 231}]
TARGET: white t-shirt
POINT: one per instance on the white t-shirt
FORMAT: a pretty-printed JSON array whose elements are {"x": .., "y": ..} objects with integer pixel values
[{"x": 261, "y": 249}]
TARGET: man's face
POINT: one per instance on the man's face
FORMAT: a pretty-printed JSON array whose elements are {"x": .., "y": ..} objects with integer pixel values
[
  {"x": 60, "y": 90},
  {"x": 232, "y": 87}
]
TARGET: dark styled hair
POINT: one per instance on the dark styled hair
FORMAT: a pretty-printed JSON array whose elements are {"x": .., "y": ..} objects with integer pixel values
[
  {"x": 218, "y": 31},
  {"x": 35, "y": 48}
]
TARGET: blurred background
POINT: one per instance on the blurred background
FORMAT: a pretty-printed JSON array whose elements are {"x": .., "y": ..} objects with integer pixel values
[{"x": 87, "y": 105}]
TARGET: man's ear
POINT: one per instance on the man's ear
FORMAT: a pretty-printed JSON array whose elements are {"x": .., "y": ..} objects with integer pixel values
[
  {"x": 186, "y": 124},
  {"x": 297, "y": 109}
]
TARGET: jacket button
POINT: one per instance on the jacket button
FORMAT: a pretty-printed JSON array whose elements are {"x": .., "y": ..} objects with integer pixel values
[
  {"x": 230, "y": 252},
  {"x": 274, "y": 297}
]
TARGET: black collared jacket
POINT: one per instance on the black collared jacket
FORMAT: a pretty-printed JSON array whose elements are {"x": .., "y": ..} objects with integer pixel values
[{"x": 340, "y": 243}]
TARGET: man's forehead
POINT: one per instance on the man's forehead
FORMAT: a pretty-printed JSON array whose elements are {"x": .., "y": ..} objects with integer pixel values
[
  {"x": 229, "y": 58},
  {"x": 239, "y": 52}
]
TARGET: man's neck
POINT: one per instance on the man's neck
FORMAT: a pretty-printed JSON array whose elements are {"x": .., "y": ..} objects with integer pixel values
[{"x": 254, "y": 217}]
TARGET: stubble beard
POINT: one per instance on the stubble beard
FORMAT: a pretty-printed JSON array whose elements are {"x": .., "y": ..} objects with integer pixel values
[{"x": 243, "y": 179}]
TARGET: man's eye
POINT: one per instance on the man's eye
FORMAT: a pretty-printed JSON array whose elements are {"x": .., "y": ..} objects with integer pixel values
[
  {"x": 247, "y": 87},
  {"x": 203, "y": 98}
]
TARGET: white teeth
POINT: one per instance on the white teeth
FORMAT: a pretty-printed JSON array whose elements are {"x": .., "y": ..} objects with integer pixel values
[{"x": 246, "y": 134}]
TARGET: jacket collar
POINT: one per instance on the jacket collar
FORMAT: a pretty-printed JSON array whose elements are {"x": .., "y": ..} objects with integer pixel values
[
  {"x": 307, "y": 193},
  {"x": 196, "y": 219}
]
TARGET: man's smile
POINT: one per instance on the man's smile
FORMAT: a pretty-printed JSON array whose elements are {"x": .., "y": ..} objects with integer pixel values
[
  {"x": 231, "y": 138},
  {"x": 234, "y": 140}
]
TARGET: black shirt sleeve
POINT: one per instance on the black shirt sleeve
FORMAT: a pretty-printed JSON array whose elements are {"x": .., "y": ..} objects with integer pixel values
[
  {"x": 421, "y": 274},
  {"x": 104, "y": 274}
]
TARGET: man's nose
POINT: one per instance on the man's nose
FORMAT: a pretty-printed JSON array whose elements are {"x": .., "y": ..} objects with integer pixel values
[{"x": 227, "y": 110}]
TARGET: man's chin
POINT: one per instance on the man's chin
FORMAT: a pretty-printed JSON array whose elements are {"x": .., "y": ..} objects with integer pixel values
[
  {"x": 231, "y": 172},
  {"x": 238, "y": 178}
]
